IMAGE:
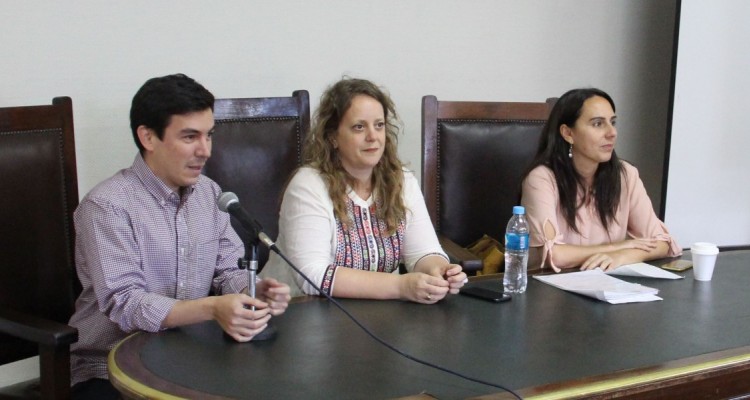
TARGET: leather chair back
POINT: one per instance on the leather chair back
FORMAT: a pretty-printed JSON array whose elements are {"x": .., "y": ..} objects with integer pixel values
[
  {"x": 474, "y": 154},
  {"x": 38, "y": 194},
  {"x": 257, "y": 144}
]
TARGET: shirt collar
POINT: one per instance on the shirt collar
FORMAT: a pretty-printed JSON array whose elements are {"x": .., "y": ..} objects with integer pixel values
[{"x": 154, "y": 185}]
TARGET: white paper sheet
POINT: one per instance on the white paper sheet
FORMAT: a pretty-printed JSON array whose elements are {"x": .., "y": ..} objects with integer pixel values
[
  {"x": 597, "y": 284},
  {"x": 643, "y": 270}
]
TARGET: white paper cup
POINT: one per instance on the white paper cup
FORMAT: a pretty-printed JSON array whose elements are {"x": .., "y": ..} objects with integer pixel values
[{"x": 704, "y": 260}]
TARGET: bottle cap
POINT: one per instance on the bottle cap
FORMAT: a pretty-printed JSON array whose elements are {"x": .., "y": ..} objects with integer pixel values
[{"x": 519, "y": 210}]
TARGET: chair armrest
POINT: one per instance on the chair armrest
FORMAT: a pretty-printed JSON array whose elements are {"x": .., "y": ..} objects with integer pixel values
[
  {"x": 459, "y": 255},
  {"x": 53, "y": 340},
  {"x": 35, "y": 329}
]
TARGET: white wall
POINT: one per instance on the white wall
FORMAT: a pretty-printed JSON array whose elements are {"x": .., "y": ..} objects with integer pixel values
[
  {"x": 100, "y": 52},
  {"x": 19, "y": 371},
  {"x": 708, "y": 191}
]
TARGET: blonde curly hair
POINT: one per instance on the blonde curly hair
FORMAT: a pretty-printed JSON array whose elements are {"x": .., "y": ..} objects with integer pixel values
[{"x": 319, "y": 153}]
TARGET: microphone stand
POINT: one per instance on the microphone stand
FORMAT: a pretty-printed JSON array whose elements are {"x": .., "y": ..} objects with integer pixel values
[
  {"x": 228, "y": 202},
  {"x": 250, "y": 263}
]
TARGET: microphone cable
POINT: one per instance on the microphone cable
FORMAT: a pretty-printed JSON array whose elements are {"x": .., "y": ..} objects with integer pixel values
[{"x": 271, "y": 245}]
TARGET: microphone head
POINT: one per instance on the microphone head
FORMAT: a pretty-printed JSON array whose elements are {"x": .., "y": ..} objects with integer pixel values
[{"x": 225, "y": 200}]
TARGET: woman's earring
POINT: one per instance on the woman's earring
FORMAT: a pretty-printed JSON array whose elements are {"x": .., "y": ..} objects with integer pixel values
[{"x": 570, "y": 151}]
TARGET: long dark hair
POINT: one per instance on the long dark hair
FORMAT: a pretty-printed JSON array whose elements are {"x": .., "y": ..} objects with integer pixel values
[{"x": 553, "y": 153}]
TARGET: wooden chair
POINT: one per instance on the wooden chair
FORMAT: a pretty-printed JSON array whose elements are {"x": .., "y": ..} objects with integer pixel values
[
  {"x": 38, "y": 194},
  {"x": 473, "y": 156},
  {"x": 257, "y": 144}
]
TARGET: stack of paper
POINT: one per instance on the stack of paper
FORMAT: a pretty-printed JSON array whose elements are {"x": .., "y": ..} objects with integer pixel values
[
  {"x": 643, "y": 270},
  {"x": 597, "y": 284}
]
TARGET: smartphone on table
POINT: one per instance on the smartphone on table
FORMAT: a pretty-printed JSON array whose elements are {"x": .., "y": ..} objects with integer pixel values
[
  {"x": 678, "y": 265},
  {"x": 479, "y": 292}
]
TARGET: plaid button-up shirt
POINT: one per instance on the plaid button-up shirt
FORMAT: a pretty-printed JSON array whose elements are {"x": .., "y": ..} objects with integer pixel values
[{"x": 140, "y": 248}]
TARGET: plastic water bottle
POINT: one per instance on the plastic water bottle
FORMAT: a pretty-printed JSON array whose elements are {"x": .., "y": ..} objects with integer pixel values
[{"x": 516, "y": 252}]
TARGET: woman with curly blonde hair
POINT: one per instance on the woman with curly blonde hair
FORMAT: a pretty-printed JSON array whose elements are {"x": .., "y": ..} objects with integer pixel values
[{"x": 353, "y": 213}]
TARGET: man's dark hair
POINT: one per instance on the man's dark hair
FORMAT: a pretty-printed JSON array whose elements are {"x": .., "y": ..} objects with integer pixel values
[{"x": 160, "y": 98}]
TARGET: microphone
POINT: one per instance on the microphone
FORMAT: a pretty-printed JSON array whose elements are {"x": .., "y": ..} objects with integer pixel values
[{"x": 229, "y": 203}]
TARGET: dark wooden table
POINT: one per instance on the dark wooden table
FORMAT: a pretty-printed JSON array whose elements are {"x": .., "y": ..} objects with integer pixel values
[{"x": 546, "y": 343}]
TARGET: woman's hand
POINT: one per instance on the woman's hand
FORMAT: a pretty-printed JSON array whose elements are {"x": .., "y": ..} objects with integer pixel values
[
  {"x": 608, "y": 261},
  {"x": 439, "y": 267},
  {"x": 626, "y": 252},
  {"x": 646, "y": 245},
  {"x": 599, "y": 260},
  {"x": 605, "y": 261},
  {"x": 455, "y": 276},
  {"x": 422, "y": 288}
]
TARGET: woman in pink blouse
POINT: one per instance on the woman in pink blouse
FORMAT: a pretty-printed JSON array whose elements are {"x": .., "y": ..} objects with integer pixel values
[{"x": 585, "y": 206}]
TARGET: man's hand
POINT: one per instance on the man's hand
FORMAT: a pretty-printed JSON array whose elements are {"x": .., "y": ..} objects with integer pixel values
[
  {"x": 233, "y": 313},
  {"x": 275, "y": 294}
]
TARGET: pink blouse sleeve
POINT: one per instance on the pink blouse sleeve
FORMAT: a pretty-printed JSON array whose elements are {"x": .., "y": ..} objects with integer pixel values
[
  {"x": 642, "y": 220},
  {"x": 539, "y": 197}
]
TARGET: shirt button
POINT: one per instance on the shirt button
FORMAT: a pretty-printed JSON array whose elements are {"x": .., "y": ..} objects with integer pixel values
[{"x": 182, "y": 284}]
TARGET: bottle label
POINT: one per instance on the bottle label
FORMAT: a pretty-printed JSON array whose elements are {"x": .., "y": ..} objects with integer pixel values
[{"x": 517, "y": 241}]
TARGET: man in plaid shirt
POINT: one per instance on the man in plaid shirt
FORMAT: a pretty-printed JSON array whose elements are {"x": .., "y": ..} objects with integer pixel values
[{"x": 151, "y": 242}]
